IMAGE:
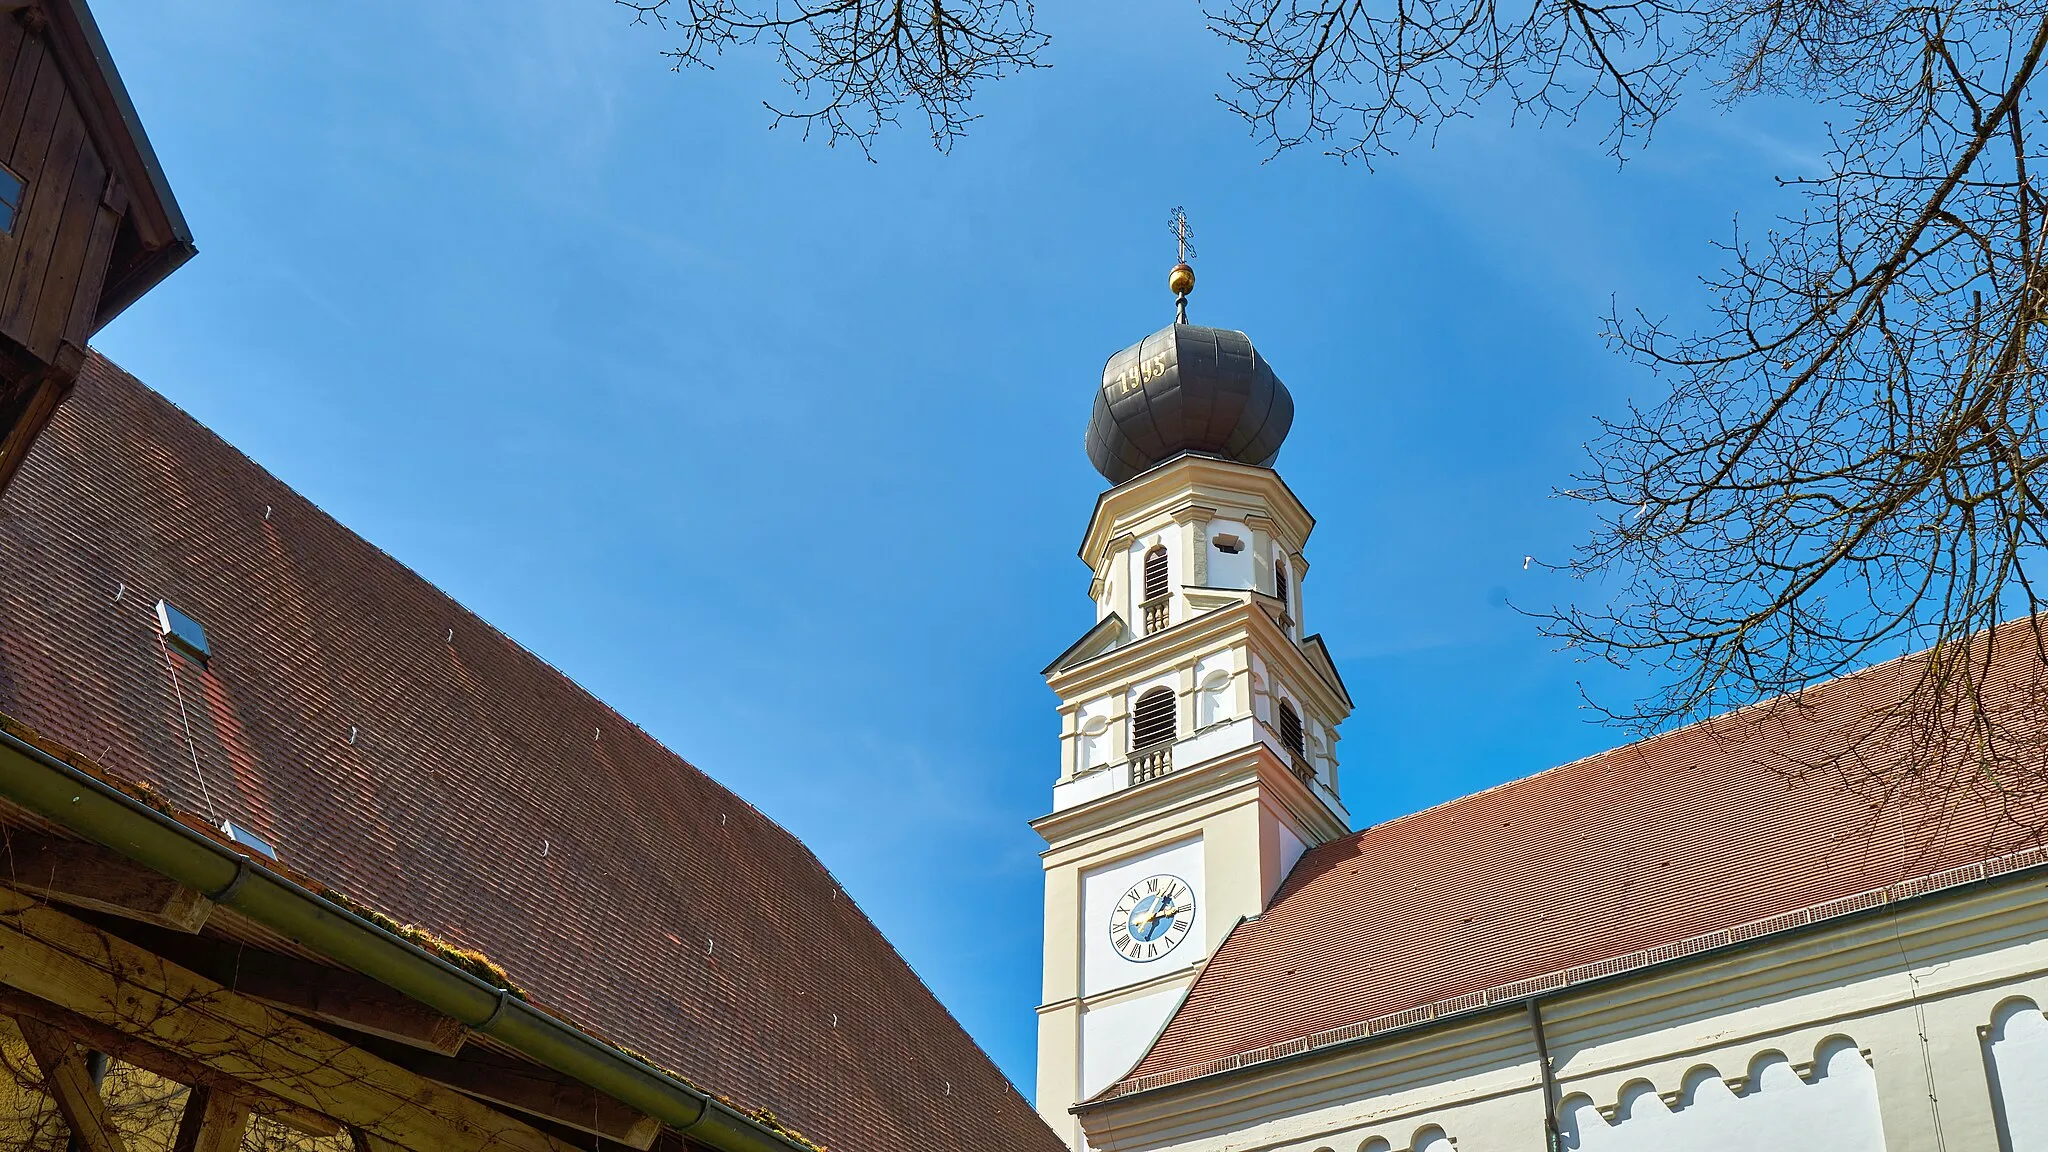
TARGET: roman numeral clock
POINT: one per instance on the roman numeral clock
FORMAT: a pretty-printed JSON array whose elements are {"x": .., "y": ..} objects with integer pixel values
[{"x": 1152, "y": 918}]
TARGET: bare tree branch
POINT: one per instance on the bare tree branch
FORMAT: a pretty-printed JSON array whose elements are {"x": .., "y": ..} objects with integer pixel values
[{"x": 853, "y": 64}]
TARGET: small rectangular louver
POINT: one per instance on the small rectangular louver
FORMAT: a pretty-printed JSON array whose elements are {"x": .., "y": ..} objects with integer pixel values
[{"x": 182, "y": 632}]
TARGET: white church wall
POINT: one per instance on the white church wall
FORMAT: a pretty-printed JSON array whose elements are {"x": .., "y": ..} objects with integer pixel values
[
  {"x": 1291, "y": 848},
  {"x": 1093, "y": 786},
  {"x": 1940, "y": 997},
  {"x": 1213, "y": 695},
  {"x": 1103, "y": 967},
  {"x": 1211, "y": 742},
  {"x": 1114, "y": 1035},
  {"x": 1094, "y": 741},
  {"x": 1227, "y": 570},
  {"x": 1833, "y": 1109},
  {"x": 1427, "y": 1139},
  {"x": 2016, "y": 1060}
]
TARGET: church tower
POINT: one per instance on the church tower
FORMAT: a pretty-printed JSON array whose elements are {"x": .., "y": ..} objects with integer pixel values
[{"x": 1198, "y": 717}]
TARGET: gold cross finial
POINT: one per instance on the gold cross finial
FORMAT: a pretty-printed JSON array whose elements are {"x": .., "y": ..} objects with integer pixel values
[{"x": 1182, "y": 279}]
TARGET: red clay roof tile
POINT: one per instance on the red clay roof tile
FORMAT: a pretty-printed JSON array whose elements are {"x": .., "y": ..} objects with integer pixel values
[
  {"x": 423, "y": 774},
  {"x": 1659, "y": 845}
]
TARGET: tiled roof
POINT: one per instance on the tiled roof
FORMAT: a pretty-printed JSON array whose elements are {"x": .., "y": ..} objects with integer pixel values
[
  {"x": 1699, "y": 838},
  {"x": 395, "y": 746}
]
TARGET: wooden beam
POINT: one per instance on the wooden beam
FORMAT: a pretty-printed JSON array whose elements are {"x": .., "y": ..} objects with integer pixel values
[
  {"x": 334, "y": 995},
  {"x": 531, "y": 1089},
  {"x": 104, "y": 978},
  {"x": 178, "y": 1069},
  {"x": 213, "y": 1122},
  {"x": 364, "y": 1142},
  {"x": 71, "y": 1085},
  {"x": 89, "y": 876}
]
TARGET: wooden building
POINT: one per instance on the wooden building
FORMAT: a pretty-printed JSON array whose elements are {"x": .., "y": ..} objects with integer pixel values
[
  {"x": 295, "y": 852},
  {"x": 87, "y": 223}
]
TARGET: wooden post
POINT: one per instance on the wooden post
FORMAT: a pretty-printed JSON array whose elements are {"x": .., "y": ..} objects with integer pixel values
[
  {"x": 70, "y": 1082},
  {"x": 213, "y": 1122}
]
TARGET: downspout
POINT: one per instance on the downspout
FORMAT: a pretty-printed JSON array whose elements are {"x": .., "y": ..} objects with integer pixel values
[
  {"x": 76, "y": 800},
  {"x": 1553, "y": 1140}
]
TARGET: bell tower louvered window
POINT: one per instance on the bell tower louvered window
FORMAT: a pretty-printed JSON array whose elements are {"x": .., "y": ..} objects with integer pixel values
[
  {"x": 1280, "y": 582},
  {"x": 1153, "y": 720},
  {"x": 1155, "y": 606},
  {"x": 1290, "y": 729}
]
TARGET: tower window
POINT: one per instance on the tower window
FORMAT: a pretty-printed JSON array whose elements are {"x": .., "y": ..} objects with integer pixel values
[
  {"x": 1280, "y": 582},
  {"x": 1290, "y": 729},
  {"x": 1155, "y": 572},
  {"x": 1154, "y": 719}
]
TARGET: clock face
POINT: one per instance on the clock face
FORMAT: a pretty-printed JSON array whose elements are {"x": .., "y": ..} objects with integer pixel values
[{"x": 1152, "y": 918}]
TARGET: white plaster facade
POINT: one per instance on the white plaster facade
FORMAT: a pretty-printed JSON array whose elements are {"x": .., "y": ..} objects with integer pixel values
[
  {"x": 1914, "y": 1027},
  {"x": 1227, "y": 806}
]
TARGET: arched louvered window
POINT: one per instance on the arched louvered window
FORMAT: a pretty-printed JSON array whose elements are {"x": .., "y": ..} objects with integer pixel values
[
  {"x": 1280, "y": 582},
  {"x": 1290, "y": 729},
  {"x": 1153, "y": 720},
  {"x": 1155, "y": 572}
]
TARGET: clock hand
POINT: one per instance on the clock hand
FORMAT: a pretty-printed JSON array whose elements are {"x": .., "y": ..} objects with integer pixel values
[{"x": 1163, "y": 907}]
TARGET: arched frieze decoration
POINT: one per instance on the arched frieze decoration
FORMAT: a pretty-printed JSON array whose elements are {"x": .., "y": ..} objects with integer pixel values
[
  {"x": 1428, "y": 1138},
  {"x": 1826, "y": 1104}
]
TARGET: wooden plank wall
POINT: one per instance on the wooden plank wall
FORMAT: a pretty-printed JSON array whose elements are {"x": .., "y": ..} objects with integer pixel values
[{"x": 54, "y": 258}]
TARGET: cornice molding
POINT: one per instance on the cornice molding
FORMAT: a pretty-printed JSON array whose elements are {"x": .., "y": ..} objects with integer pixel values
[{"x": 1175, "y": 489}]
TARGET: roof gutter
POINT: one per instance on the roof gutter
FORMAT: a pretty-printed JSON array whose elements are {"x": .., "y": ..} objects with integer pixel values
[{"x": 63, "y": 793}]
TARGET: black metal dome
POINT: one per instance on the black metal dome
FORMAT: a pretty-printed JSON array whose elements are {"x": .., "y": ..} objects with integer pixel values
[{"x": 1187, "y": 389}]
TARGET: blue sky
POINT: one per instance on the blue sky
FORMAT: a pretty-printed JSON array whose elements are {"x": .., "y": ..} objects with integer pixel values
[{"x": 779, "y": 451}]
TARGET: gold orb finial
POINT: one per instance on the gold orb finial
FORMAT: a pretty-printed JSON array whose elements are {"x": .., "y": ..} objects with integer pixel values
[{"x": 1182, "y": 278}]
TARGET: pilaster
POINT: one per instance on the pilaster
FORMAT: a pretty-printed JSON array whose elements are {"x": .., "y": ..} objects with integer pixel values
[{"x": 1195, "y": 518}]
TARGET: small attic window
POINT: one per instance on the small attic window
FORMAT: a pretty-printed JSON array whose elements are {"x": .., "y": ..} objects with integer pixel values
[
  {"x": 247, "y": 839},
  {"x": 182, "y": 632},
  {"x": 1225, "y": 542},
  {"x": 11, "y": 188}
]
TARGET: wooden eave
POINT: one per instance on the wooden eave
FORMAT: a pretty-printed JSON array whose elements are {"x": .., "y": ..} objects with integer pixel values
[{"x": 111, "y": 121}]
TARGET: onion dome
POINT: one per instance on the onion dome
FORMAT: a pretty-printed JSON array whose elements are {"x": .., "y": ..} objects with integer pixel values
[{"x": 1184, "y": 389}]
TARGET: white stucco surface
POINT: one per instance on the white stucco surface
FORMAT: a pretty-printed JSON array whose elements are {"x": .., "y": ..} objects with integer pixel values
[
  {"x": 2017, "y": 1047},
  {"x": 1114, "y": 1035},
  {"x": 1836, "y": 1112},
  {"x": 1225, "y": 569},
  {"x": 1291, "y": 848},
  {"x": 1103, "y": 967}
]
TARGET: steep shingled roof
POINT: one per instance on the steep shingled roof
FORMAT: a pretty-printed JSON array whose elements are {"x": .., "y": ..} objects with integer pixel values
[
  {"x": 422, "y": 774},
  {"x": 1699, "y": 838}
]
